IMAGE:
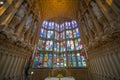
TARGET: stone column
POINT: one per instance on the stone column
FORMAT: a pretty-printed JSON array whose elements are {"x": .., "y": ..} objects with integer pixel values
[
  {"x": 9, "y": 67},
  {"x": 17, "y": 19},
  {"x": 111, "y": 16},
  {"x": 97, "y": 25},
  {"x": 38, "y": 32},
  {"x": 81, "y": 32},
  {"x": 10, "y": 12},
  {"x": 28, "y": 33},
  {"x": 5, "y": 67},
  {"x": 113, "y": 5},
  {"x": 13, "y": 67},
  {"x": 23, "y": 66},
  {"x": 3, "y": 60},
  {"x": 85, "y": 33},
  {"x": 17, "y": 67},
  {"x": 91, "y": 35},
  {"x": 5, "y": 6},
  {"x": 113, "y": 66},
  {"x": 100, "y": 18},
  {"x": 35, "y": 35},
  {"x": 19, "y": 29}
]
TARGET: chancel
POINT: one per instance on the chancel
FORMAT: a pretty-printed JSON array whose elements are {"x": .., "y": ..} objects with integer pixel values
[{"x": 59, "y": 39}]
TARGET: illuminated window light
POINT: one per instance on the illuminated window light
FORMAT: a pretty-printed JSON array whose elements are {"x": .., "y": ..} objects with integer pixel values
[{"x": 1, "y": 2}]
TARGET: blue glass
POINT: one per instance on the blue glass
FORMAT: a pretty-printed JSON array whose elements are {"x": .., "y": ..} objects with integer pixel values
[
  {"x": 49, "y": 45},
  {"x": 50, "y": 25},
  {"x": 45, "y": 24},
  {"x": 74, "y": 24},
  {"x": 62, "y": 27},
  {"x": 56, "y": 26},
  {"x": 69, "y": 25},
  {"x": 66, "y": 25},
  {"x": 43, "y": 33},
  {"x": 50, "y": 35},
  {"x": 49, "y": 64},
  {"x": 35, "y": 65}
]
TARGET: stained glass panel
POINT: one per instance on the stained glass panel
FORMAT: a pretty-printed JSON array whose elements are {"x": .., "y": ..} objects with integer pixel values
[
  {"x": 56, "y": 35},
  {"x": 51, "y": 25},
  {"x": 36, "y": 59},
  {"x": 40, "y": 61},
  {"x": 74, "y": 24},
  {"x": 54, "y": 60},
  {"x": 45, "y": 24},
  {"x": 57, "y": 27},
  {"x": 56, "y": 46},
  {"x": 63, "y": 46},
  {"x": 62, "y": 27},
  {"x": 73, "y": 60},
  {"x": 70, "y": 45},
  {"x": 61, "y": 36},
  {"x": 78, "y": 44},
  {"x": 69, "y": 34},
  {"x": 76, "y": 33},
  {"x": 41, "y": 45},
  {"x": 43, "y": 33},
  {"x": 49, "y": 45},
  {"x": 50, "y": 35}
]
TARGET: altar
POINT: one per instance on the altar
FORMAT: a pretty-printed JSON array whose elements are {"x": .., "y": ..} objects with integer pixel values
[{"x": 64, "y": 78}]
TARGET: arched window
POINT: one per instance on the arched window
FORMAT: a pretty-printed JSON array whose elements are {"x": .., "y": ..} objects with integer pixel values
[{"x": 59, "y": 46}]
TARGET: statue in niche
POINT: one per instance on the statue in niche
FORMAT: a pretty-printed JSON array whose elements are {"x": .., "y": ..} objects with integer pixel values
[
  {"x": 90, "y": 23},
  {"x": 84, "y": 27},
  {"x": 18, "y": 16},
  {"x": 34, "y": 28},
  {"x": 28, "y": 23},
  {"x": 96, "y": 10},
  {"x": 26, "y": 26},
  {"x": 100, "y": 17}
]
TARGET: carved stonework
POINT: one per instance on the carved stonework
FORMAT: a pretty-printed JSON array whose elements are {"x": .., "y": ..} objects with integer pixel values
[{"x": 78, "y": 74}]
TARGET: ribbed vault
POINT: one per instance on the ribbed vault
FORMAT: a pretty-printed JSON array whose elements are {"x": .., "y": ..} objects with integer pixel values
[{"x": 49, "y": 9}]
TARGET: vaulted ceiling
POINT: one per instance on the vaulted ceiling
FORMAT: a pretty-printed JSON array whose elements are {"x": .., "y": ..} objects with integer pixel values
[{"x": 56, "y": 9}]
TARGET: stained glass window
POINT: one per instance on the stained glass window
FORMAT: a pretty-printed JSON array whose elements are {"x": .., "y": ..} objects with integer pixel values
[{"x": 59, "y": 46}]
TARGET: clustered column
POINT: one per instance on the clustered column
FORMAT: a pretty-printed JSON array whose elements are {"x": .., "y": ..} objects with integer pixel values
[
  {"x": 21, "y": 28},
  {"x": 98, "y": 23}
]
